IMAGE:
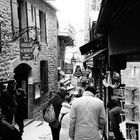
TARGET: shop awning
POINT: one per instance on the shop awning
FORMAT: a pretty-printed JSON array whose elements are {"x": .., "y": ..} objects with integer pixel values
[
  {"x": 113, "y": 13},
  {"x": 94, "y": 54},
  {"x": 90, "y": 46}
]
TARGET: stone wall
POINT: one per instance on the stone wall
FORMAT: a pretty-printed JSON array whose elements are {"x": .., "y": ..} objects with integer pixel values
[
  {"x": 9, "y": 50},
  {"x": 10, "y": 56},
  {"x": 48, "y": 52}
]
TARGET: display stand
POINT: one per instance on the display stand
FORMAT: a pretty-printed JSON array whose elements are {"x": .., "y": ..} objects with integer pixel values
[{"x": 131, "y": 78}]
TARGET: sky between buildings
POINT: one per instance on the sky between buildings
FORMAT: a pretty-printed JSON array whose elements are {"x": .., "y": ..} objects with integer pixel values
[{"x": 73, "y": 11}]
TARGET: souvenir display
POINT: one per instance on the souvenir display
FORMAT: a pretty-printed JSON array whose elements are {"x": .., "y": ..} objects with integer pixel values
[{"x": 131, "y": 78}]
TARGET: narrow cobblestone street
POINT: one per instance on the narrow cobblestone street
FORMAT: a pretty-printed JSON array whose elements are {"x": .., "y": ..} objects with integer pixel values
[{"x": 37, "y": 130}]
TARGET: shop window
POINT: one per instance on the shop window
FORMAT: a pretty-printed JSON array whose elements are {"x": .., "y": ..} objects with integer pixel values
[
  {"x": 44, "y": 76},
  {"x": 42, "y": 20},
  {"x": 37, "y": 90}
]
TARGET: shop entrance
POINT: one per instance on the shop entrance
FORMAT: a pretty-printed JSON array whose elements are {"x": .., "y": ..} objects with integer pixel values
[{"x": 22, "y": 72}]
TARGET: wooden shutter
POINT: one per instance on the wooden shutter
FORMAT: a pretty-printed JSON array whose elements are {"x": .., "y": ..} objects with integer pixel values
[{"x": 15, "y": 19}]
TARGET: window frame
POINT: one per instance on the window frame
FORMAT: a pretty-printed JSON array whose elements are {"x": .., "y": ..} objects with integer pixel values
[
  {"x": 43, "y": 30},
  {"x": 44, "y": 76}
]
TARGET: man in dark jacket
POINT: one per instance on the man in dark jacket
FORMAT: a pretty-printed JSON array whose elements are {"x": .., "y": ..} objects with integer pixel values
[
  {"x": 56, "y": 101},
  {"x": 8, "y": 132},
  {"x": 21, "y": 100},
  {"x": 115, "y": 118},
  {"x": 8, "y": 103}
]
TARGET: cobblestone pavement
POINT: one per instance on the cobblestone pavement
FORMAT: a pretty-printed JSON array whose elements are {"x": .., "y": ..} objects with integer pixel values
[{"x": 37, "y": 130}]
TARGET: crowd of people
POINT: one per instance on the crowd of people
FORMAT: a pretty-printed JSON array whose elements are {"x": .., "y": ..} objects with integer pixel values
[
  {"x": 13, "y": 109},
  {"x": 83, "y": 115},
  {"x": 79, "y": 116}
]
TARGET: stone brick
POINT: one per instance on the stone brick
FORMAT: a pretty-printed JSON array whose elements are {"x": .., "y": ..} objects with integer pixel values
[{"x": 11, "y": 53}]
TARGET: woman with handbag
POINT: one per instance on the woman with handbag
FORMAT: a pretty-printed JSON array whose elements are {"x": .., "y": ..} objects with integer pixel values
[{"x": 56, "y": 101}]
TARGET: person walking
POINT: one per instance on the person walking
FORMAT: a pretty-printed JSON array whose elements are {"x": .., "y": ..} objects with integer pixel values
[
  {"x": 8, "y": 103},
  {"x": 80, "y": 92},
  {"x": 21, "y": 100},
  {"x": 115, "y": 118},
  {"x": 8, "y": 131},
  {"x": 64, "y": 118},
  {"x": 56, "y": 101},
  {"x": 87, "y": 117}
]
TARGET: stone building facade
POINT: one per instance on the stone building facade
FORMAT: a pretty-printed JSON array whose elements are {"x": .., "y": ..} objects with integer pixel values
[
  {"x": 92, "y": 8},
  {"x": 66, "y": 38},
  {"x": 29, "y": 49}
]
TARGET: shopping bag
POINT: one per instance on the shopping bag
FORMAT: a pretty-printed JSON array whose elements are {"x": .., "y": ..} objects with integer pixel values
[{"x": 49, "y": 115}]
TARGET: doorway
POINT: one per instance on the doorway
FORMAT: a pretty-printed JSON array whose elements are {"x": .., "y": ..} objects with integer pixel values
[{"x": 22, "y": 72}]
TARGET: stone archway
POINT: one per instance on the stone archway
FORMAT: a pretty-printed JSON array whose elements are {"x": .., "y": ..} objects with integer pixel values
[{"x": 22, "y": 74}]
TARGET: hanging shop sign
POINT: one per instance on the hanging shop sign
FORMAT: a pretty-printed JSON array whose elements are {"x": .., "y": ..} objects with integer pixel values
[
  {"x": 26, "y": 51},
  {"x": 68, "y": 68}
]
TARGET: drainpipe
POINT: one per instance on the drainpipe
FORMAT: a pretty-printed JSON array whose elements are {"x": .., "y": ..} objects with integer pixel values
[
  {"x": 27, "y": 25},
  {"x": 0, "y": 38}
]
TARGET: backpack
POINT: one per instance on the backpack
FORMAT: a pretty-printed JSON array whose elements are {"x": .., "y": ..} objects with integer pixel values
[{"x": 49, "y": 115}]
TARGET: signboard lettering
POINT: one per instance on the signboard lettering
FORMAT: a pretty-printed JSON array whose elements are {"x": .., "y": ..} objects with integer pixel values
[{"x": 26, "y": 50}]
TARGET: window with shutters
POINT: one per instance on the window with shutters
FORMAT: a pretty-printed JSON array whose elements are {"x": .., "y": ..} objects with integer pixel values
[
  {"x": 18, "y": 14},
  {"x": 42, "y": 20},
  {"x": 44, "y": 76}
]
